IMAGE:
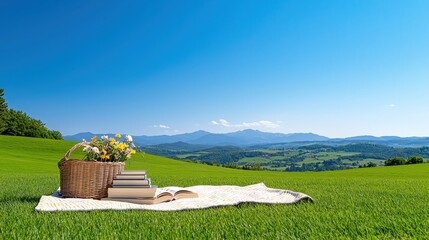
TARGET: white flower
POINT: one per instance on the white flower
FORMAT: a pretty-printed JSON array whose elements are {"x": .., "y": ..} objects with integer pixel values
[
  {"x": 95, "y": 150},
  {"x": 128, "y": 138},
  {"x": 105, "y": 138},
  {"x": 83, "y": 140},
  {"x": 87, "y": 149}
]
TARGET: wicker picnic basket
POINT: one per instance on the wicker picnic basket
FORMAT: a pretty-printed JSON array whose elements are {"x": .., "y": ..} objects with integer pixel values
[{"x": 86, "y": 179}]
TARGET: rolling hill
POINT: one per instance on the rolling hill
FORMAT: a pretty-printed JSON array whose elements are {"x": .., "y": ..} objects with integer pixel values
[{"x": 373, "y": 203}]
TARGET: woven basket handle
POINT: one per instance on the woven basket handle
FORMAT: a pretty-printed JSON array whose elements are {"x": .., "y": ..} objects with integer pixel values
[{"x": 69, "y": 152}]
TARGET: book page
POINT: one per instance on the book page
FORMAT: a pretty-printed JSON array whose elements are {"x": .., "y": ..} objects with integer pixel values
[
  {"x": 177, "y": 192},
  {"x": 162, "y": 192}
]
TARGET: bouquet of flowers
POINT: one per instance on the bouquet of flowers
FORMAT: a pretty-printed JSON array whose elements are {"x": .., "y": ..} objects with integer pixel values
[{"x": 109, "y": 149}]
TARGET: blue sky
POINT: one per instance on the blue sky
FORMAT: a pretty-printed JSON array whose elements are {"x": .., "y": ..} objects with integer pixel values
[{"x": 335, "y": 68}]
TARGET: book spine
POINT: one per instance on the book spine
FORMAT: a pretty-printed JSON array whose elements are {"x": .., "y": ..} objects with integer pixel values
[
  {"x": 131, "y": 192},
  {"x": 131, "y": 182},
  {"x": 131, "y": 176},
  {"x": 131, "y": 172},
  {"x": 132, "y": 186}
]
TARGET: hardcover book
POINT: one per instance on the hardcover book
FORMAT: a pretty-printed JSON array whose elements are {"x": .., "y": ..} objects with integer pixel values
[
  {"x": 134, "y": 172},
  {"x": 130, "y": 176},
  {"x": 131, "y": 182},
  {"x": 132, "y": 192},
  {"x": 161, "y": 195}
]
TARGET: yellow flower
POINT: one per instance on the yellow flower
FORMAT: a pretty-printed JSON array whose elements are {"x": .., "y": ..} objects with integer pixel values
[
  {"x": 110, "y": 149},
  {"x": 121, "y": 146},
  {"x": 104, "y": 154}
]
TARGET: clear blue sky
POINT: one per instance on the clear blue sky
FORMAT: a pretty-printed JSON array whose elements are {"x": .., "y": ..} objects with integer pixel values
[{"x": 335, "y": 68}]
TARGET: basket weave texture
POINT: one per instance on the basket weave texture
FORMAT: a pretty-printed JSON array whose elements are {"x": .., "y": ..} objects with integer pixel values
[{"x": 86, "y": 179}]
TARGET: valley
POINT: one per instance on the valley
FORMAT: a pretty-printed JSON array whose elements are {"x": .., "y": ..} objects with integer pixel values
[{"x": 314, "y": 157}]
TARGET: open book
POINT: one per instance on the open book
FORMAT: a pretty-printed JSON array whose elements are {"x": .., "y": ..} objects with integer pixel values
[{"x": 161, "y": 195}]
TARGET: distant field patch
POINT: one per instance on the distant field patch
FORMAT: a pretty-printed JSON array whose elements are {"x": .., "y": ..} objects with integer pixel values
[{"x": 254, "y": 160}]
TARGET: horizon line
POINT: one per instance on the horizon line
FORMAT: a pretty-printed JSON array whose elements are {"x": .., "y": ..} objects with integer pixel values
[{"x": 174, "y": 134}]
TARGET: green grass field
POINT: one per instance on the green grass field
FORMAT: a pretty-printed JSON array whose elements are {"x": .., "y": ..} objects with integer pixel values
[{"x": 371, "y": 203}]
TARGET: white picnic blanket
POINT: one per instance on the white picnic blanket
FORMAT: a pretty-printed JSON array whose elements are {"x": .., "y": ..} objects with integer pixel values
[{"x": 209, "y": 196}]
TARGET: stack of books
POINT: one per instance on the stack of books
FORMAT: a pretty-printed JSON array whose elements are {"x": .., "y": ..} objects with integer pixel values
[{"x": 131, "y": 184}]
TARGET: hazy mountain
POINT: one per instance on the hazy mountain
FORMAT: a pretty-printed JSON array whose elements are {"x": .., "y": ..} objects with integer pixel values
[
  {"x": 185, "y": 137},
  {"x": 250, "y": 137},
  {"x": 86, "y": 135},
  {"x": 372, "y": 138},
  {"x": 78, "y": 137},
  {"x": 240, "y": 138},
  {"x": 180, "y": 146},
  {"x": 258, "y": 137},
  {"x": 220, "y": 140}
]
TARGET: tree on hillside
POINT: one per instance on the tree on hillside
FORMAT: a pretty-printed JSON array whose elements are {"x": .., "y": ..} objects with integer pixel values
[
  {"x": 56, "y": 135},
  {"x": 3, "y": 112},
  {"x": 395, "y": 161},
  {"x": 368, "y": 165},
  {"x": 20, "y": 124},
  {"x": 414, "y": 160},
  {"x": 17, "y": 123}
]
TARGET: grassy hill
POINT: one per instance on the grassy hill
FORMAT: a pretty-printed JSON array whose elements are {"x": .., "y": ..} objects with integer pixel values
[{"x": 381, "y": 202}]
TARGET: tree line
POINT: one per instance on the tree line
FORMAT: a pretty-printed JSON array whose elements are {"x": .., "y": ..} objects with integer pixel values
[
  {"x": 402, "y": 161},
  {"x": 18, "y": 123}
]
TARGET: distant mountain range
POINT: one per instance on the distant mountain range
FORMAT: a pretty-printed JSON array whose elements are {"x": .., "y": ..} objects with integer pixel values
[{"x": 247, "y": 138}]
